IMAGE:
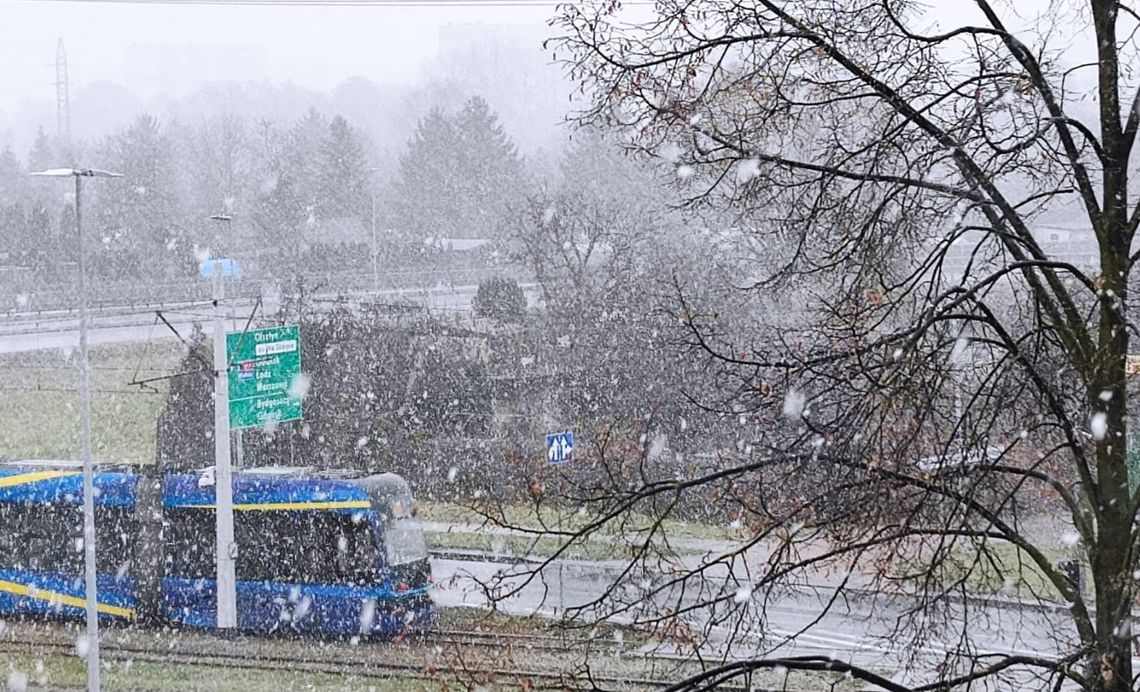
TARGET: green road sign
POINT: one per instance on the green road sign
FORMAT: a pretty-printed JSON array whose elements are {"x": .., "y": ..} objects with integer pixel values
[
  {"x": 263, "y": 366},
  {"x": 1133, "y": 458}
]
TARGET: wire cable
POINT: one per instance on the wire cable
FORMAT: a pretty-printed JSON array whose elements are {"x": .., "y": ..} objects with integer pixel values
[{"x": 337, "y": 3}]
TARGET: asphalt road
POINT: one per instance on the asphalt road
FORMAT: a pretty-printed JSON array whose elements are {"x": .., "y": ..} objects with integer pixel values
[
  {"x": 60, "y": 329},
  {"x": 860, "y": 629}
]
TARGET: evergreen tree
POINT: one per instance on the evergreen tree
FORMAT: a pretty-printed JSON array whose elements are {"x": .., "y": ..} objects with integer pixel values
[
  {"x": 186, "y": 424},
  {"x": 37, "y": 251},
  {"x": 279, "y": 216},
  {"x": 343, "y": 176},
  {"x": 139, "y": 215},
  {"x": 301, "y": 155},
  {"x": 13, "y": 234},
  {"x": 501, "y": 299},
  {"x": 489, "y": 167},
  {"x": 43, "y": 154},
  {"x": 427, "y": 203},
  {"x": 459, "y": 176},
  {"x": 13, "y": 179}
]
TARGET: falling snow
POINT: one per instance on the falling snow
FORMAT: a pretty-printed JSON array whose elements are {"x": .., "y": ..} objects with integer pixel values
[
  {"x": 794, "y": 403},
  {"x": 777, "y": 327},
  {"x": 1098, "y": 425}
]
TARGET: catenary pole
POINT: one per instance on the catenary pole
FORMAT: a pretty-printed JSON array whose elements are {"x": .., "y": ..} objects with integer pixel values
[
  {"x": 91, "y": 591},
  {"x": 223, "y": 470}
]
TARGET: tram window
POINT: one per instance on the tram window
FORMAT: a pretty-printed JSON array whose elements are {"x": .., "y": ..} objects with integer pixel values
[
  {"x": 11, "y": 539},
  {"x": 190, "y": 543},
  {"x": 303, "y": 547},
  {"x": 116, "y": 530},
  {"x": 356, "y": 551},
  {"x": 41, "y": 538}
]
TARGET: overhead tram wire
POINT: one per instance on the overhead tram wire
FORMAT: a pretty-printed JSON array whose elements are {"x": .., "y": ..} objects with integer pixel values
[{"x": 336, "y": 3}]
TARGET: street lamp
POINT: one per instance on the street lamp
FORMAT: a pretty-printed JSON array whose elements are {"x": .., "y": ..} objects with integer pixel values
[
  {"x": 90, "y": 592},
  {"x": 225, "y": 219},
  {"x": 375, "y": 272}
]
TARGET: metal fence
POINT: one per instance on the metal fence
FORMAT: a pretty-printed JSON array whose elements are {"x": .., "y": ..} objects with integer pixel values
[{"x": 110, "y": 296}]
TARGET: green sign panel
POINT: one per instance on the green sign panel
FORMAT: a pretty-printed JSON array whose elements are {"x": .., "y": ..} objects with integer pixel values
[
  {"x": 264, "y": 367},
  {"x": 1133, "y": 457}
]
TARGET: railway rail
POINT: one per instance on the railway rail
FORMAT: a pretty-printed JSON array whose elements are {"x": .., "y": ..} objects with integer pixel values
[
  {"x": 525, "y": 660},
  {"x": 368, "y": 665}
]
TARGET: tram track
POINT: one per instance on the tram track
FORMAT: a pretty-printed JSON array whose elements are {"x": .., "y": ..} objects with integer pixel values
[
  {"x": 440, "y": 656},
  {"x": 529, "y": 642},
  {"x": 366, "y": 666}
]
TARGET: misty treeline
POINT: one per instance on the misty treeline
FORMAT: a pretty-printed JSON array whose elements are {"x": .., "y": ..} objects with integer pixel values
[
  {"x": 459, "y": 400},
  {"x": 299, "y": 196}
]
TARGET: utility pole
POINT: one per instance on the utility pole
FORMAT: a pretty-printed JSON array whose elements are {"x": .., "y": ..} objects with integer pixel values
[
  {"x": 62, "y": 96},
  {"x": 239, "y": 449},
  {"x": 223, "y": 470},
  {"x": 375, "y": 248},
  {"x": 375, "y": 272},
  {"x": 90, "y": 593},
  {"x": 91, "y": 588}
]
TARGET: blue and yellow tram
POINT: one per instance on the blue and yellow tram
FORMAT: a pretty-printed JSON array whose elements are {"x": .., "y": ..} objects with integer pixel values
[{"x": 317, "y": 552}]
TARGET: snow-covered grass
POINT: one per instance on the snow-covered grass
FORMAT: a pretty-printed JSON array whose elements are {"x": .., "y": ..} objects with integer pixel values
[
  {"x": 453, "y": 526},
  {"x": 533, "y": 643},
  {"x": 1003, "y": 571},
  {"x": 69, "y": 672},
  {"x": 39, "y": 402},
  {"x": 524, "y": 546},
  {"x": 519, "y": 515}
]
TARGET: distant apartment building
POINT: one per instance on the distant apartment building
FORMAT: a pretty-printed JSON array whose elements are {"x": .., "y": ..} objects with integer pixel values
[{"x": 178, "y": 68}]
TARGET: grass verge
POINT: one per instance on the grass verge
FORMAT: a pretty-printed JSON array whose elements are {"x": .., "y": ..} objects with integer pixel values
[
  {"x": 39, "y": 401},
  {"x": 557, "y": 518},
  {"x": 534, "y": 547},
  {"x": 1002, "y": 569},
  {"x": 54, "y": 671}
]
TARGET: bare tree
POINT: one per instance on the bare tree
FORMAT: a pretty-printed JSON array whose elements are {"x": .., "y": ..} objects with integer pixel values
[{"x": 950, "y": 369}]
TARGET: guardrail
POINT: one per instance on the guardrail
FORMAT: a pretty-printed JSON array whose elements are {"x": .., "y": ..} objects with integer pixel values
[{"x": 59, "y": 303}]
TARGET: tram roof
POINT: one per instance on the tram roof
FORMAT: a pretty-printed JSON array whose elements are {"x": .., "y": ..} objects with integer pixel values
[{"x": 264, "y": 488}]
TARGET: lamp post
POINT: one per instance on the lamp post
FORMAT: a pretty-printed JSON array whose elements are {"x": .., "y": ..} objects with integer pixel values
[
  {"x": 91, "y": 594},
  {"x": 375, "y": 271},
  {"x": 239, "y": 448}
]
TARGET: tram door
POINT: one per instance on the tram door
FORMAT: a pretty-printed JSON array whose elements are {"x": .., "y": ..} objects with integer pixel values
[{"x": 189, "y": 587}]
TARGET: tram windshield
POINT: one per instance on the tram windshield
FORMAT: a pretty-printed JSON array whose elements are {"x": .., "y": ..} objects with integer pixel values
[
  {"x": 395, "y": 508},
  {"x": 404, "y": 540}
]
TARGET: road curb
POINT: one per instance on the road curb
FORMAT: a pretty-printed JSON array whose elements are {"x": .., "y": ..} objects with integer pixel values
[
  {"x": 480, "y": 556},
  {"x": 853, "y": 592}
]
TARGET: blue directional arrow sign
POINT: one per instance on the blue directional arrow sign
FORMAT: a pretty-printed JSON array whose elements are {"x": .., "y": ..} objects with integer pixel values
[{"x": 559, "y": 447}]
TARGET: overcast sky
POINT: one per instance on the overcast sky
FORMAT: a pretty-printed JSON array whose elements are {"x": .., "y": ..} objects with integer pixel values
[{"x": 314, "y": 47}]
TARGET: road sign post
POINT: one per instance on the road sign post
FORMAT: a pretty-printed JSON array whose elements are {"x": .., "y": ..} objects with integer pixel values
[
  {"x": 1131, "y": 449},
  {"x": 226, "y": 614},
  {"x": 560, "y": 450},
  {"x": 266, "y": 363},
  {"x": 560, "y": 447}
]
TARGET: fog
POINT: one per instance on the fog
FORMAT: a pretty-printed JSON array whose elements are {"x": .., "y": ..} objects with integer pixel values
[
  {"x": 781, "y": 342},
  {"x": 180, "y": 61}
]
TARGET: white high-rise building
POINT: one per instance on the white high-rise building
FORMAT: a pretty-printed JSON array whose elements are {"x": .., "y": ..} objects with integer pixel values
[{"x": 180, "y": 68}]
